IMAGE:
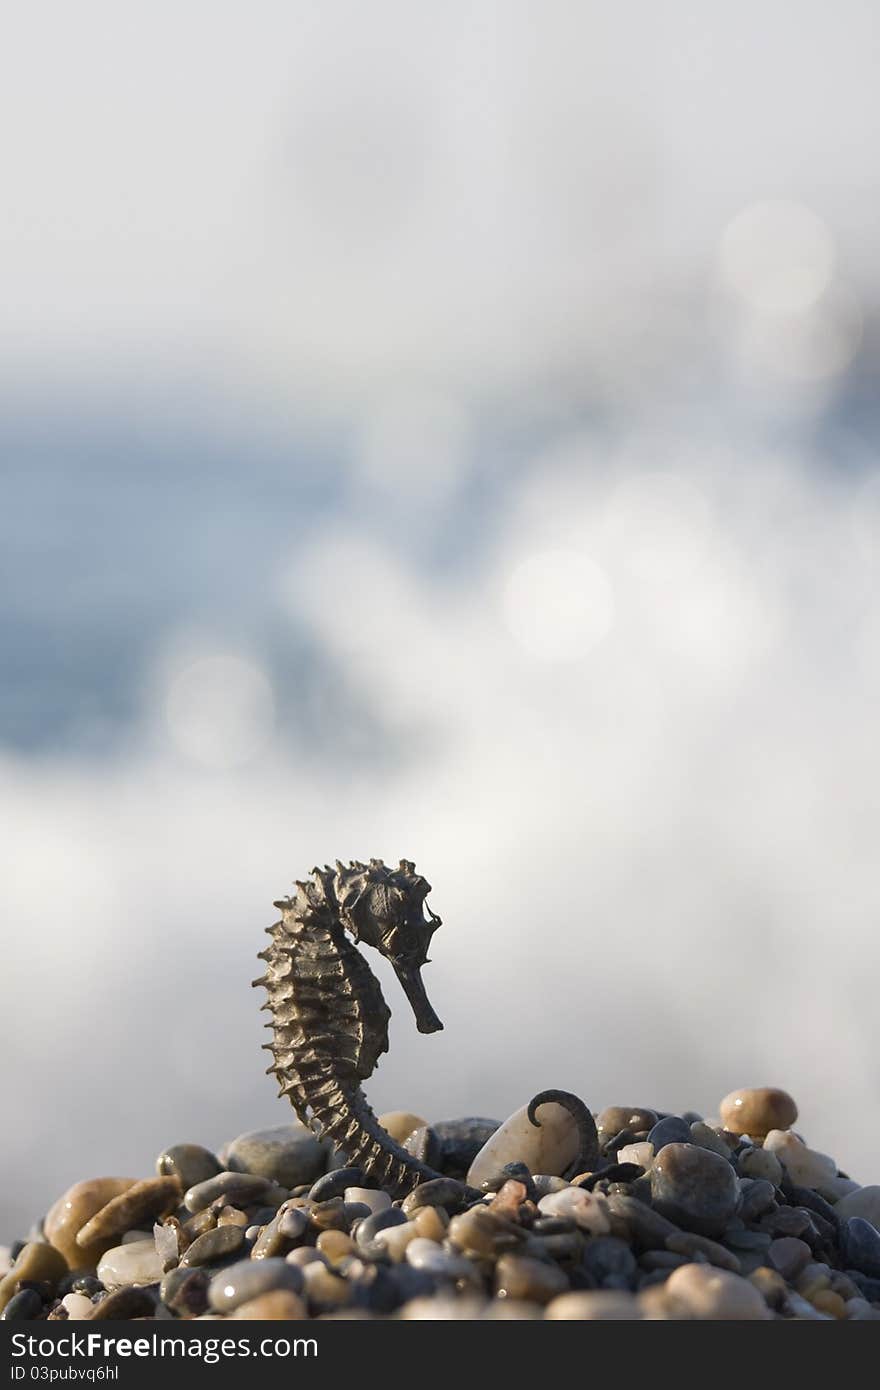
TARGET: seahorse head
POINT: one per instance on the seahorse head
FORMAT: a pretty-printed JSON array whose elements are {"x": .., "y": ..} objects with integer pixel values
[{"x": 386, "y": 908}]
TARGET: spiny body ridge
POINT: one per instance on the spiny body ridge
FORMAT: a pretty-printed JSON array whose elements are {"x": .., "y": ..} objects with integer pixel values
[{"x": 329, "y": 1019}]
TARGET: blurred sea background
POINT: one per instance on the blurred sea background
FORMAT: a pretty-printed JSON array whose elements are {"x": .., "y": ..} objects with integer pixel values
[{"x": 443, "y": 431}]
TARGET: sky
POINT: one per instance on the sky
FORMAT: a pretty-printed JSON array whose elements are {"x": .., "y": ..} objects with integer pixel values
[{"x": 449, "y": 433}]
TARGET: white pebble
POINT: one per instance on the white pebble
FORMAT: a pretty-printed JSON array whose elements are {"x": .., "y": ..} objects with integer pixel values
[
  {"x": 77, "y": 1305},
  {"x": 805, "y": 1167},
  {"x": 376, "y": 1201},
  {"x": 588, "y": 1209},
  {"x": 642, "y": 1154},
  {"x": 548, "y": 1147},
  {"x": 135, "y": 1263},
  {"x": 395, "y": 1239},
  {"x": 433, "y": 1259}
]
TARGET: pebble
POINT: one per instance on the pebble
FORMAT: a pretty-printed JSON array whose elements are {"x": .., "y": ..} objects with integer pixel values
[
  {"x": 787, "y": 1256},
  {"x": 589, "y": 1210},
  {"x": 461, "y": 1140},
  {"x": 371, "y": 1198},
  {"x": 334, "y": 1183},
  {"x": 693, "y": 1245},
  {"x": 279, "y": 1235},
  {"x": 23, "y": 1306},
  {"x": 379, "y": 1221},
  {"x": 433, "y": 1259},
  {"x": 635, "y": 1220},
  {"x": 612, "y": 1120},
  {"x": 608, "y": 1257},
  {"x": 702, "y": 1292},
  {"x": 708, "y": 1138},
  {"x": 521, "y": 1277},
  {"x": 395, "y": 1240},
  {"x": 189, "y": 1163},
  {"x": 167, "y": 1241},
  {"x": 185, "y": 1291},
  {"x": 287, "y": 1154},
  {"x": 593, "y": 1306},
  {"x": 694, "y": 1188},
  {"x": 77, "y": 1305},
  {"x": 860, "y": 1244},
  {"x": 123, "y": 1304},
  {"x": 549, "y": 1147},
  {"x": 804, "y": 1166},
  {"x": 335, "y": 1245},
  {"x": 431, "y": 1222},
  {"x": 136, "y": 1263},
  {"x": 481, "y": 1232},
  {"x": 437, "y": 1192},
  {"x": 241, "y": 1188},
  {"x": 760, "y": 1164},
  {"x": 143, "y": 1201},
  {"x": 672, "y": 1129},
  {"x": 219, "y": 1244},
  {"x": 756, "y": 1196},
  {"x": 770, "y": 1283},
  {"x": 280, "y": 1305},
  {"x": 73, "y": 1209},
  {"x": 864, "y": 1202},
  {"x": 757, "y": 1111},
  {"x": 36, "y": 1261},
  {"x": 642, "y": 1155},
  {"x": 325, "y": 1289},
  {"x": 247, "y": 1280},
  {"x": 400, "y": 1124}
]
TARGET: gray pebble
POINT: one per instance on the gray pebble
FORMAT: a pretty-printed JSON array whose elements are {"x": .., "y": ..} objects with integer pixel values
[
  {"x": 288, "y": 1154},
  {"x": 860, "y": 1244},
  {"x": 185, "y": 1291},
  {"x": 240, "y": 1188},
  {"x": 189, "y": 1162},
  {"x": 695, "y": 1188},
  {"x": 437, "y": 1192},
  {"x": 757, "y": 1196},
  {"x": 250, "y": 1278},
  {"x": 608, "y": 1255},
  {"x": 378, "y": 1221},
  {"x": 218, "y": 1244}
]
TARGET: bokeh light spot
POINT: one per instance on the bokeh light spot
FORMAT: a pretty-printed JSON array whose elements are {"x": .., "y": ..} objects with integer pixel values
[
  {"x": 220, "y": 711},
  {"x": 558, "y": 604},
  {"x": 778, "y": 256}
]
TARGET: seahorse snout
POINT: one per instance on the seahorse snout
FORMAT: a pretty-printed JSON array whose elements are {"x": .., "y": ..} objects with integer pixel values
[{"x": 410, "y": 976}]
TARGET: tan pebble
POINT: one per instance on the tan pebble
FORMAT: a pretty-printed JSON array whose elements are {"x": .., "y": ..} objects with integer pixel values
[
  {"x": 325, "y": 1288},
  {"x": 771, "y": 1284},
  {"x": 335, "y": 1245},
  {"x": 508, "y": 1199},
  {"x": 760, "y": 1164},
  {"x": 431, "y": 1222},
  {"x": 600, "y": 1305},
  {"x": 757, "y": 1110},
  {"x": 73, "y": 1209},
  {"x": 231, "y": 1216},
  {"x": 77, "y": 1306},
  {"x": 150, "y": 1200},
  {"x": 401, "y": 1123},
  {"x": 614, "y": 1118},
  {"x": 701, "y": 1291},
  {"x": 521, "y": 1277},
  {"x": 37, "y": 1261},
  {"x": 440, "y": 1309},
  {"x": 653, "y": 1304},
  {"x": 480, "y": 1232},
  {"x": 829, "y": 1302},
  {"x": 279, "y": 1305},
  {"x": 395, "y": 1239}
]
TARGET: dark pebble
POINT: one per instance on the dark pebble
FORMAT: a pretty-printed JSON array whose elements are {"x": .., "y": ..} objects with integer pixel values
[
  {"x": 663, "y": 1259},
  {"x": 758, "y": 1197},
  {"x": 461, "y": 1141},
  {"x": 670, "y": 1130},
  {"x": 870, "y": 1288},
  {"x": 860, "y": 1246},
  {"x": 607, "y": 1255},
  {"x": 694, "y": 1187},
  {"x": 517, "y": 1171},
  {"x": 186, "y": 1291},
  {"x": 219, "y": 1244},
  {"x": 22, "y": 1306},
  {"x": 333, "y": 1184},
  {"x": 132, "y": 1301},
  {"x": 437, "y": 1192},
  {"x": 612, "y": 1172},
  {"x": 647, "y": 1229},
  {"x": 190, "y": 1163},
  {"x": 806, "y": 1197},
  {"x": 379, "y": 1221},
  {"x": 553, "y": 1226}
]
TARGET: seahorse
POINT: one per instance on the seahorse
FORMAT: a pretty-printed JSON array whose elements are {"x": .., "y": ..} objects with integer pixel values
[{"x": 329, "y": 1018}]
